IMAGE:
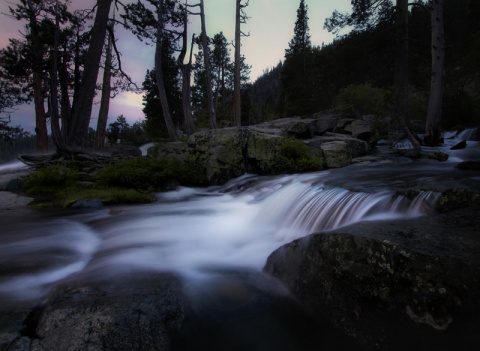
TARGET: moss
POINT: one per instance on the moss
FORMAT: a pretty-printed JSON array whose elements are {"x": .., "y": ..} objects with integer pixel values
[{"x": 295, "y": 157}]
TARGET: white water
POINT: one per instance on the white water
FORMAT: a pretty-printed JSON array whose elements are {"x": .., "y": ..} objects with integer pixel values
[{"x": 189, "y": 231}]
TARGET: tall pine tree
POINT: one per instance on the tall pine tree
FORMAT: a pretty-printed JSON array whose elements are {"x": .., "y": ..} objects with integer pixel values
[{"x": 296, "y": 80}]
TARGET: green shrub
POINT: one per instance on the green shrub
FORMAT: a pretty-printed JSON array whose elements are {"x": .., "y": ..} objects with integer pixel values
[
  {"x": 137, "y": 173},
  {"x": 295, "y": 157},
  {"x": 50, "y": 178},
  {"x": 150, "y": 174}
]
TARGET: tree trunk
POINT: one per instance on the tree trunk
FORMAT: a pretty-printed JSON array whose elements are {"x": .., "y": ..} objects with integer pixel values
[
  {"x": 105, "y": 101},
  {"x": 237, "y": 104},
  {"x": 55, "y": 118},
  {"x": 399, "y": 125},
  {"x": 82, "y": 106},
  {"x": 66, "y": 108},
  {"x": 186, "y": 69},
  {"x": 208, "y": 74},
  {"x": 159, "y": 75},
  {"x": 434, "y": 112},
  {"x": 38, "y": 94},
  {"x": 40, "y": 114}
]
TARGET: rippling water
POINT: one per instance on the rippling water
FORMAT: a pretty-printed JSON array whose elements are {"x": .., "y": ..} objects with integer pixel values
[
  {"x": 188, "y": 231},
  {"x": 199, "y": 232}
]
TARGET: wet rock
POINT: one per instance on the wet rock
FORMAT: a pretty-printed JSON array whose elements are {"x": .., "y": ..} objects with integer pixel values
[
  {"x": 138, "y": 316},
  {"x": 397, "y": 285},
  {"x": 87, "y": 203},
  {"x": 10, "y": 200},
  {"x": 459, "y": 146},
  {"x": 471, "y": 165},
  {"x": 437, "y": 156},
  {"x": 456, "y": 198}
]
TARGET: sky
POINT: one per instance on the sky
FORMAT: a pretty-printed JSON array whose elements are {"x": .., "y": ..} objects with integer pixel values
[{"x": 270, "y": 27}]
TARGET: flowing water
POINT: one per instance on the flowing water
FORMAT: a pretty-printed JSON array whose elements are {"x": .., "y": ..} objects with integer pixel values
[{"x": 199, "y": 232}]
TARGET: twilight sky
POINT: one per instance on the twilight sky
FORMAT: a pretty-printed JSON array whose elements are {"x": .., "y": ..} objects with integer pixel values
[{"x": 270, "y": 26}]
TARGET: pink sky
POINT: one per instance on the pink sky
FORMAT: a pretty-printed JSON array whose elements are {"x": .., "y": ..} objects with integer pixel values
[{"x": 270, "y": 26}]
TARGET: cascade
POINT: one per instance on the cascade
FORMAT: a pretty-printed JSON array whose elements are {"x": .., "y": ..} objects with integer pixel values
[
  {"x": 468, "y": 134},
  {"x": 300, "y": 209},
  {"x": 189, "y": 231}
]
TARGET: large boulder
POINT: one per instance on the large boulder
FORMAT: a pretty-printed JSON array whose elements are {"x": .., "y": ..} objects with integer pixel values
[
  {"x": 336, "y": 154},
  {"x": 356, "y": 147},
  {"x": 362, "y": 129},
  {"x": 325, "y": 122},
  {"x": 222, "y": 150},
  {"x": 177, "y": 151},
  {"x": 137, "y": 316},
  {"x": 262, "y": 151},
  {"x": 397, "y": 285}
]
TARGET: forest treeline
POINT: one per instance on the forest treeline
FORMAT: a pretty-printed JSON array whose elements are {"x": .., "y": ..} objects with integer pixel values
[
  {"x": 384, "y": 66},
  {"x": 355, "y": 73}
]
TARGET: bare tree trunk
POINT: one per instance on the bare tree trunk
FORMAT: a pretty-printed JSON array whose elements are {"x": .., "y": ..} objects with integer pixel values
[
  {"x": 40, "y": 114},
  {"x": 159, "y": 75},
  {"x": 55, "y": 118},
  {"x": 400, "y": 115},
  {"x": 237, "y": 103},
  {"x": 82, "y": 106},
  {"x": 38, "y": 94},
  {"x": 186, "y": 69},
  {"x": 434, "y": 112},
  {"x": 105, "y": 101},
  {"x": 206, "y": 59},
  {"x": 66, "y": 107}
]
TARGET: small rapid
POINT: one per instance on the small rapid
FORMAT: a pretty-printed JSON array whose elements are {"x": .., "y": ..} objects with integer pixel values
[{"x": 188, "y": 231}]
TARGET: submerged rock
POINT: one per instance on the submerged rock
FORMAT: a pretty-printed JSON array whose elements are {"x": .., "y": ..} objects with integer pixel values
[{"x": 409, "y": 284}]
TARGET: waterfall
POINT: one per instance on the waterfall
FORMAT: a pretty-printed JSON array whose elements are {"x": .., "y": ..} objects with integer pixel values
[
  {"x": 468, "y": 134},
  {"x": 300, "y": 209}
]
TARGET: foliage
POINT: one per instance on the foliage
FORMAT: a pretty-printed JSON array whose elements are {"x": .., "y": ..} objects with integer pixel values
[
  {"x": 365, "y": 56},
  {"x": 49, "y": 179},
  {"x": 295, "y": 157},
  {"x": 363, "y": 99},
  {"x": 222, "y": 72},
  {"x": 296, "y": 77},
  {"x": 150, "y": 174}
]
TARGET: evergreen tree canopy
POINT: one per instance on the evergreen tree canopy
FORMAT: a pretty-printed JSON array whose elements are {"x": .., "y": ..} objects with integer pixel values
[{"x": 300, "y": 42}]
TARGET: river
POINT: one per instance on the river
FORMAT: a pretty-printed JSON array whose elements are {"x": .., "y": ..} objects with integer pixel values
[{"x": 199, "y": 232}]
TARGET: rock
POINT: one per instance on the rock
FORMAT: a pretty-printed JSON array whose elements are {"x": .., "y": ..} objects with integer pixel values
[
  {"x": 437, "y": 155},
  {"x": 177, "y": 151},
  {"x": 456, "y": 198},
  {"x": 261, "y": 152},
  {"x": 459, "y": 146},
  {"x": 471, "y": 165},
  {"x": 396, "y": 285},
  {"x": 325, "y": 122},
  {"x": 9, "y": 201},
  {"x": 110, "y": 317},
  {"x": 344, "y": 125},
  {"x": 87, "y": 203},
  {"x": 126, "y": 151},
  {"x": 362, "y": 130},
  {"x": 356, "y": 147},
  {"x": 301, "y": 129},
  {"x": 222, "y": 150},
  {"x": 336, "y": 154}
]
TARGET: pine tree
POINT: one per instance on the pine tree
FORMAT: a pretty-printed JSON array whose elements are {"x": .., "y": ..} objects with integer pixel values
[
  {"x": 300, "y": 43},
  {"x": 296, "y": 77}
]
